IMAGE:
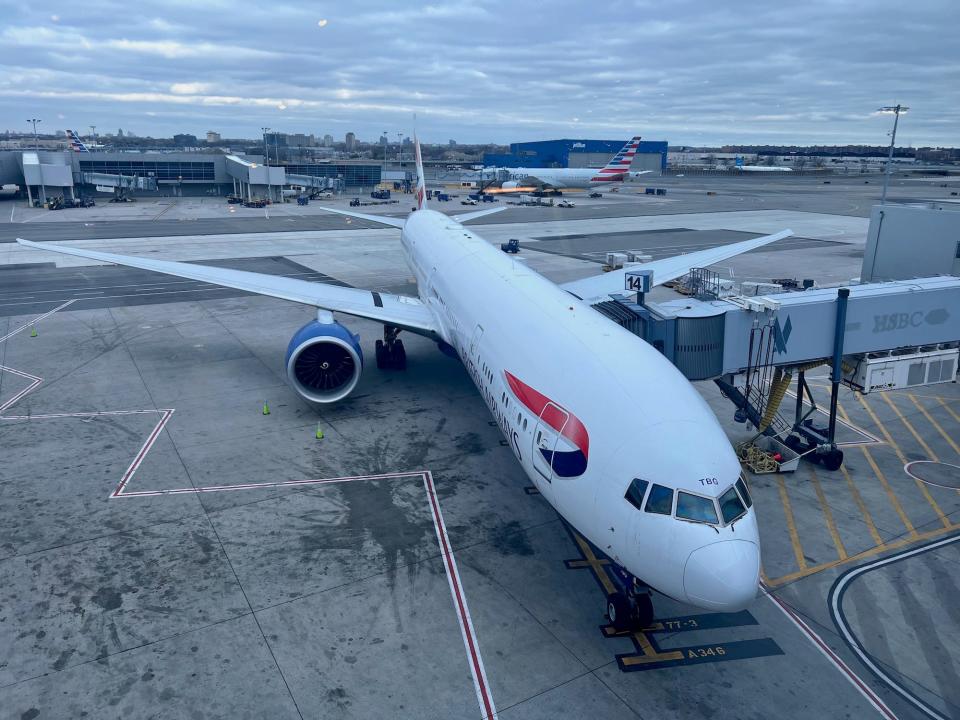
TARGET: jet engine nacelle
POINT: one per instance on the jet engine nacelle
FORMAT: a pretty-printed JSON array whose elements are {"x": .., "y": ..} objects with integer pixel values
[
  {"x": 324, "y": 361},
  {"x": 510, "y": 185}
]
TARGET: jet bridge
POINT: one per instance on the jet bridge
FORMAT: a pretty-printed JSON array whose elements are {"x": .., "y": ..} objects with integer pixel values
[
  {"x": 874, "y": 337},
  {"x": 119, "y": 184}
]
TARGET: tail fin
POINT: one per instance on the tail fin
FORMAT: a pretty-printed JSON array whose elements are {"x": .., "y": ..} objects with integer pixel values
[
  {"x": 620, "y": 164},
  {"x": 75, "y": 144},
  {"x": 421, "y": 180}
]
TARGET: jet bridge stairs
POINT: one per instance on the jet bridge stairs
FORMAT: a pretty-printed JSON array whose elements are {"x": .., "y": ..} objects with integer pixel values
[{"x": 872, "y": 337}]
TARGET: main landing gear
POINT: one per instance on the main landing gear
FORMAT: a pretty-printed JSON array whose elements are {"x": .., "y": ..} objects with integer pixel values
[
  {"x": 630, "y": 608},
  {"x": 390, "y": 352}
]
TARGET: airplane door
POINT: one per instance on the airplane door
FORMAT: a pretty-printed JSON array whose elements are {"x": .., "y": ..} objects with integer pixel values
[
  {"x": 545, "y": 438},
  {"x": 475, "y": 343}
]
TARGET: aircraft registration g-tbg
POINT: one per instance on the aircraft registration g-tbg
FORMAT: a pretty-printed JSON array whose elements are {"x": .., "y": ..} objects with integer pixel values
[
  {"x": 613, "y": 436},
  {"x": 617, "y": 170}
]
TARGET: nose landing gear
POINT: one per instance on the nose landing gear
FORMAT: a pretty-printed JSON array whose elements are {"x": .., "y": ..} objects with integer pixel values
[
  {"x": 390, "y": 352},
  {"x": 630, "y": 608}
]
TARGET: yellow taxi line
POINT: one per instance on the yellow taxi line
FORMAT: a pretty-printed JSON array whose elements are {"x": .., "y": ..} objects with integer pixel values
[
  {"x": 791, "y": 524},
  {"x": 882, "y": 478},
  {"x": 828, "y": 516},
  {"x": 939, "y": 428},
  {"x": 922, "y": 486},
  {"x": 926, "y": 448}
]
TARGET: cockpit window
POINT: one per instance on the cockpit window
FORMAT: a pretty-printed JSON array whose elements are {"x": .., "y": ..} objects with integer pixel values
[
  {"x": 742, "y": 487},
  {"x": 730, "y": 506},
  {"x": 660, "y": 500},
  {"x": 696, "y": 508},
  {"x": 635, "y": 492}
]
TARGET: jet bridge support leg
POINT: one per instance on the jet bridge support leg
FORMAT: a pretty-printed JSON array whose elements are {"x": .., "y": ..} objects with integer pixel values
[{"x": 834, "y": 457}]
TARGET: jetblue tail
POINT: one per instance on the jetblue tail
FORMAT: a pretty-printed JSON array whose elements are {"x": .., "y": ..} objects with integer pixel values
[
  {"x": 75, "y": 143},
  {"x": 620, "y": 164},
  {"x": 421, "y": 180}
]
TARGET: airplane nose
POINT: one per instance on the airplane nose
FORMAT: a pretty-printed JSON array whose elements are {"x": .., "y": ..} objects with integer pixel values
[{"x": 723, "y": 576}]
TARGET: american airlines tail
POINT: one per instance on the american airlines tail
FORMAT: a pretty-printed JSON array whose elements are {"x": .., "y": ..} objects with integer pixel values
[
  {"x": 620, "y": 164},
  {"x": 75, "y": 143},
  {"x": 421, "y": 180}
]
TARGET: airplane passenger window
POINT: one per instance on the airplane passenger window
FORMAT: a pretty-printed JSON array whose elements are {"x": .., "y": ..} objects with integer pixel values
[
  {"x": 696, "y": 508},
  {"x": 730, "y": 506},
  {"x": 742, "y": 487},
  {"x": 660, "y": 500},
  {"x": 635, "y": 493}
]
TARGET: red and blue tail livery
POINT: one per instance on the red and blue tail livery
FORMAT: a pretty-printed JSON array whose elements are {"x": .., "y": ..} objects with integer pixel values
[{"x": 571, "y": 451}]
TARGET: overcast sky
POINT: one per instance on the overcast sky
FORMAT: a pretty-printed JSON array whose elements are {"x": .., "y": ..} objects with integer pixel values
[{"x": 689, "y": 72}]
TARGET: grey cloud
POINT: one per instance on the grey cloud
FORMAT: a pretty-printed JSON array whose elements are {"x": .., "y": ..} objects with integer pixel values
[{"x": 689, "y": 72}]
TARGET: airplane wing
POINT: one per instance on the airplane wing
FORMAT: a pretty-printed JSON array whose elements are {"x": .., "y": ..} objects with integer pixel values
[
  {"x": 404, "y": 312},
  {"x": 599, "y": 287},
  {"x": 383, "y": 219},
  {"x": 476, "y": 214}
]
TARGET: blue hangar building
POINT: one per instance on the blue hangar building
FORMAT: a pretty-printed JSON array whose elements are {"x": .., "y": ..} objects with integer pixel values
[{"x": 652, "y": 154}]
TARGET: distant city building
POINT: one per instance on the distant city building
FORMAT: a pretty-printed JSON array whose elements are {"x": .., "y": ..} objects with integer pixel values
[
  {"x": 407, "y": 142},
  {"x": 183, "y": 140},
  {"x": 120, "y": 132},
  {"x": 328, "y": 140},
  {"x": 213, "y": 137},
  {"x": 452, "y": 143},
  {"x": 301, "y": 140},
  {"x": 350, "y": 141}
]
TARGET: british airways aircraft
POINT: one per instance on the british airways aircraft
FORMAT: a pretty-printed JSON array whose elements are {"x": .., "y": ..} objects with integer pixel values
[
  {"x": 613, "y": 436},
  {"x": 617, "y": 170}
]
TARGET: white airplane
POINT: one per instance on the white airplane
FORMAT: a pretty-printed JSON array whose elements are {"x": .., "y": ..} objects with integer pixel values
[
  {"x": 617, "y": 170},
  {"x": 77, "y": 145},
  {"x": 610, "y": 432},
  {"x": 760, "y": 168}
]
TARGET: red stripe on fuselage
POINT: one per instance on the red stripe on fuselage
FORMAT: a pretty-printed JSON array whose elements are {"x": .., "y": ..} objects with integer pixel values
[{"x": 552, "y": 413}]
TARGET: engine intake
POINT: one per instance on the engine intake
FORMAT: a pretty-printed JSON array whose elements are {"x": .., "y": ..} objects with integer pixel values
[{"x": 324, "y": 361}]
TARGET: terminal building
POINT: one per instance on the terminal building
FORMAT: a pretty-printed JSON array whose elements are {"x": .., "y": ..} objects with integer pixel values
[
  {"x": 41, "y": 175},
  {"x": 652, "y": 155}
]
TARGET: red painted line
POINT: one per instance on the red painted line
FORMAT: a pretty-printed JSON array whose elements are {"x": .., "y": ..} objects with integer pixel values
[
  {"x": 466, "y": 624},
  {"x": 854, "y": 679}
]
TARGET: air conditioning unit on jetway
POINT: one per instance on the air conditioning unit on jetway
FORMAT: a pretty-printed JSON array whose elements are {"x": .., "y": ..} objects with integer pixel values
[{"x": 888, "y": 371}]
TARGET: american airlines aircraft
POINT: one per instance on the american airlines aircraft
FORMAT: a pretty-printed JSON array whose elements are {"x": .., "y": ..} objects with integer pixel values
[
  {"x": 617, "y": 170},
  {"x": 611, "y": 433},
  {"x": 76, "y": 144}
]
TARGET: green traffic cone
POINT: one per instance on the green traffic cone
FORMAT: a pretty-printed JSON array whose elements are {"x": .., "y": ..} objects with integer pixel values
[
  {"x": 33, "y": 332},
  {"x": 319, "y": 432},
  {"x": 266, "y": 408}
]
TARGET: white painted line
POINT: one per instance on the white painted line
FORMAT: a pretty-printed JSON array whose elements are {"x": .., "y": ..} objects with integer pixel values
[
  {"x": 836, "y": 602},
  {"x": 35, "y": 382},
  {"x": 36, "y": 320},
  {"x": 828, "y": 653},
  {"x": 144, "y": 449}
]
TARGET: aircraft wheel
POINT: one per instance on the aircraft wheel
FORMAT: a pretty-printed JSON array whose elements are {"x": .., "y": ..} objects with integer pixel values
[
  {"x": 618, "y": 611},
  {"x": 833, "y": 460},
  {"x": 381, "y": 355},
  {"x": 644, "y": 612},
  {"x": 399, "y": 356}
]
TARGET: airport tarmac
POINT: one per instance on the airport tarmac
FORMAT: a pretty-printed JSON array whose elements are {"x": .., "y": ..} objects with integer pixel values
[{"x": 169, "y": 550}]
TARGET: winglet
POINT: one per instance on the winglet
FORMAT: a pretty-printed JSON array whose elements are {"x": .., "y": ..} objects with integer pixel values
[{"x": 421, "y": 180}]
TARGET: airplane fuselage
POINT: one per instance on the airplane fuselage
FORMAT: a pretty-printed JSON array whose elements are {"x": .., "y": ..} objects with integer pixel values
[
  {"x": 566, "y": 178},
  {"x": 586, "y": 407}
]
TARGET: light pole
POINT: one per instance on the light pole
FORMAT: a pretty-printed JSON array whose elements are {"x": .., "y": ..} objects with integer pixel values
[
  {"x": 266, "y": 162},
  {"x": 386, "y": 145},
  {"x": 36, "y": 146},
  {"x": 93, "y": 132},
  {"x": 896, "y": 110}
]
